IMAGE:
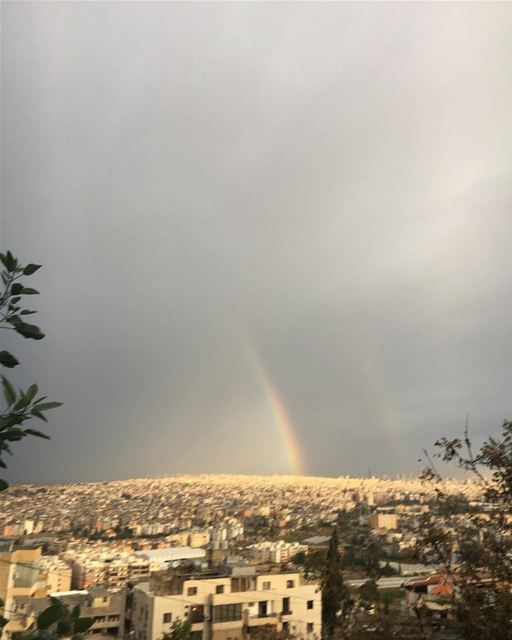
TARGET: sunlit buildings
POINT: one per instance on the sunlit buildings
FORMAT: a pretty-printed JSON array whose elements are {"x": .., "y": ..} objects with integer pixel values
[
  {"x": 383, "y": 520},
  {"x": 234, "y": 605},
  {"x": 113, "y": 570}
]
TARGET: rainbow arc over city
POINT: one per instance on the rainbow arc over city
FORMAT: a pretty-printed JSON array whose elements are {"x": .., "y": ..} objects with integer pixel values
[{"x": 277, "y": 408}]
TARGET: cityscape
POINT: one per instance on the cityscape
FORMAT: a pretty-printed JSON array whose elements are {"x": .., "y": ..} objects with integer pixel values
[
  {"x": 255, "y": 312},
  {"x": 233, "y": 555}
]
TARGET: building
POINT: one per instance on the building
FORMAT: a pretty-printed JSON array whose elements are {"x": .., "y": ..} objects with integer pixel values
[
  {"x": 99, "y": 604},
  {"x": 113, "y": 569},
  {"x": 54, "y": 573},
  {"x": 275, "y": 552},
  {"x": 383, "y": 520},
  {"x": 25, "y": 573},
  {"x": 235, "y": 605},
  {"x": 160, "y": 558}
]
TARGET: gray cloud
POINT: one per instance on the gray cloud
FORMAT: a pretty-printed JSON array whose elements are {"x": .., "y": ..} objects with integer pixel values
[{"x": 327, "y": 182}]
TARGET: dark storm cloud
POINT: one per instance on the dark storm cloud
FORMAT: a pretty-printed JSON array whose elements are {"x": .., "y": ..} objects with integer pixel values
[{"x": 329, "y": 183}]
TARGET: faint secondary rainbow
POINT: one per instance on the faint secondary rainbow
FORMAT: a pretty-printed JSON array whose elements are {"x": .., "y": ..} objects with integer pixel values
[{"x": 280, "y": 414}]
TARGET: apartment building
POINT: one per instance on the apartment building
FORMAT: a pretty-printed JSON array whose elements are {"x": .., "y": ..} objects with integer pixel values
[
  {"x": 25, "y": 572},
  {"x": 383, "y": 520},
  {"x": 54, "y": 573},
  {"x": 113, "y": 569},
  {"x": 275, "y": 551},
  {"x": 226, "y": 606},
  {"x": 99, "y": 604}
]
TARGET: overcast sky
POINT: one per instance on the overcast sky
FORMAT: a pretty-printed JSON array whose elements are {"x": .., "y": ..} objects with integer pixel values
[{"x": 325, "y": 185}]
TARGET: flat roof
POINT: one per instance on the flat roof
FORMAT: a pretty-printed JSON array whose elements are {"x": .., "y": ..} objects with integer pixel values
[{"x": 171, "y": 553}]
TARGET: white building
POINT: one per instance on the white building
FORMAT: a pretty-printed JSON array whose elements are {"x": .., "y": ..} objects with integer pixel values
[
  {"x": 159, "y": 558},
  {"x": 221, "y": 607},
  {"x": 275, "y": 552}
]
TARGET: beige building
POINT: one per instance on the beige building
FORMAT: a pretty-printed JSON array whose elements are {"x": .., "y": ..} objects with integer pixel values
[
  {"x": 25, "y": 572},
  {"x": 235, "y": 606},
  {"x": 99, "y": 604},
  {"x": 54, "y": 574},
  {"x": 17, "y": 570},
  {"x": 383, "y": 520},
  {"x": 276, "y": 552},
  {"x": 26, "y": 575},
  {"x": 112, "y": 569}
]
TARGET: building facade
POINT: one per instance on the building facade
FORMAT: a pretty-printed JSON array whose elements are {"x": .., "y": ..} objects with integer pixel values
[{"x": 235, "y": 606}]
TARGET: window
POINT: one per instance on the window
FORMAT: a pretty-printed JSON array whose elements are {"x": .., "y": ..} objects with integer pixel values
[
  {"x": 220, "y": 589},
  {"x": 262, "y": 609},
  {"x": 227, "y": 612},
  {"x": 167, "y": 619},
  {"x": 196, "y": 614},
  {"x": 290, "y": 584},
  {"x": 309, "y": 628},
  {"x": 310, "y": 604},
  {"x": 192, "y": 591},
  {"x": 266, "y": 586},
  {"x": 285, "y": 626},
  {"x": 286, "y": 607}
]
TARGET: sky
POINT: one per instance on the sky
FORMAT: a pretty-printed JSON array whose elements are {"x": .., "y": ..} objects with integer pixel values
[{"x": 275, "y": 237}]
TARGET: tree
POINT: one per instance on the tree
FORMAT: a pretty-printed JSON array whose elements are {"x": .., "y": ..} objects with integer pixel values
[
  {"x": 57, "y": 621},
  {"x": 179, "y": 631},
  {"x": 20, "y": 406},
  {"x": 334, "y": 592},
  {"x": 475, "y": 549}
]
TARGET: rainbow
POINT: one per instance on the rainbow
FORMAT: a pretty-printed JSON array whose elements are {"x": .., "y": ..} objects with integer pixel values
[
  {"x": 279, "y": 413},
  {"x": 374, "y": 381}
]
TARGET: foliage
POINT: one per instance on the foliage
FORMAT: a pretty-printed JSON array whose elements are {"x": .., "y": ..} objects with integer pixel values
[
  {"x": 475, "y": 549},
  {"x": 20, "y": 406},
  {"x": 334, "y": 592},
  {"x": 58, "y": 621},
  {"x": 180, "y": 630}
]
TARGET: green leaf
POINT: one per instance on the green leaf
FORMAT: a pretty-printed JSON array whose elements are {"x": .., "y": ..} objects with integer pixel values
[
  {"x": 30, "y": 393},
  {"x": 26, "y": 312},
  {"x": 13, "y": 435},
  {"x": 16, "y": 289},
  {"x": 46, "y": 406},
  {"x": 27, "y": 291},
  {"x": 37, "y": 434},
  {"x": 21, "y": 403},
  {"x": 8, "y": 360},
  {"x": 3, "y": 485},
  {"x": 9, "y": 392},
  {"x": 30, "y": 269},
  {"x": 49, "y": 616},
  {"x": 29, "y": 331},
  {"x": 63, "y": 628},
  {"x": 10, "y": 262},
  {"x": 82, "y": 624},
  {"x": 38, "y": 414}
]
